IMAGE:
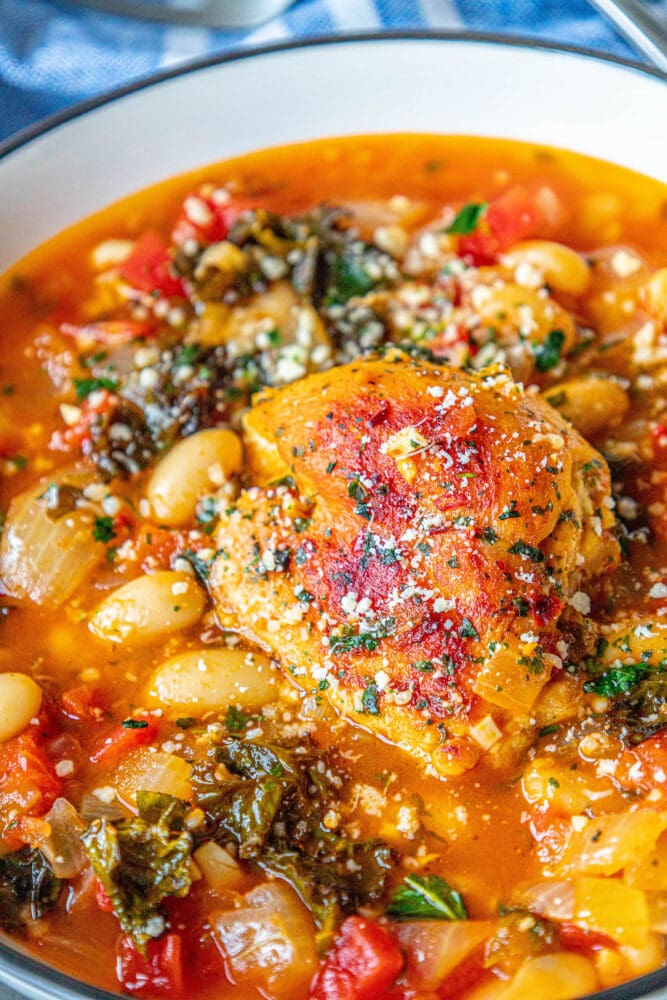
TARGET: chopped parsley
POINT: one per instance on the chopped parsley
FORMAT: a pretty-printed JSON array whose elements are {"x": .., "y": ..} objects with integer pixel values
[
  {"x": 468, "y": 630},
  {"x": 369, "y": 699},
  {"x": 618, "y": 680},
  {"x": 467, "y": 218},
  {"x": 84, "y": 386},
  {"x": 531, "y": 552},
  {"x": 547, "y": 354},
  {"x": 103, "y": 529}
]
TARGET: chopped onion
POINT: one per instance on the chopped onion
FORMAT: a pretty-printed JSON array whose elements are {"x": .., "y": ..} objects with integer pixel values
[
  {"x": 46, "y": 559},
  {"x": 657, "y": 909},
  {"x": 93, "y": 808},
  {"x": 145, "y": 770},
  {"x": 269, "y": 942},
  {"x": 611, "y": 907},
  {"x": 551, "y": 898},
  {"x": 559, "y": 976},
  {"x": 63, "y": 849},
  {"x": 605, "y": 845},
  {"x": 434, "y": 948},
  {"x": 218, "y": 867}
]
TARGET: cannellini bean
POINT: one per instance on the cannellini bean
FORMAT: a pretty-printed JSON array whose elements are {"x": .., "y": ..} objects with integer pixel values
[
  {"x": 657, "y": 292},
  {"x": 203, "y": 680},
  {"x": 563, "y": 268},
  {"x": 198, "y": 464},
  {"x": 592, "y": 404},
  {"x": 148, "y": 607},
  {"x": 20, "y": 701}
]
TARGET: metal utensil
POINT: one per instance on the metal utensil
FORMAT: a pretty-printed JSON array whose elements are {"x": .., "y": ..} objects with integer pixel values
[
  {"x": 642, "y": 29},
  {"x": 200, "y": 13}
]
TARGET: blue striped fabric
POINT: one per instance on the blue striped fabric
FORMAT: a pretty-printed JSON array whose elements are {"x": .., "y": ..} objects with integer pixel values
[{"x": 53, "y": 53}]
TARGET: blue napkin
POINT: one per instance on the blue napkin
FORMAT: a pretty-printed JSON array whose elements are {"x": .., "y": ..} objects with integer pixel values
[{"x": 54, "y": 53}]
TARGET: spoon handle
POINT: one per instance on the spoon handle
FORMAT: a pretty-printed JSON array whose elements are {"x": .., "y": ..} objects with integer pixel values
[
  {"x": 642, "y": 29},
  {"x": 202, "y": 13}
]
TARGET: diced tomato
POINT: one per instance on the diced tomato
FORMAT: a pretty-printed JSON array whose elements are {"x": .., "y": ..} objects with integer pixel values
[
  {"x": 645, "y": 766},
  {"x": 28, "y": 787},
  {"x": 154, "y": 546},
  {"x": 148, "y": 267},
  {"x": 119, "y": 740},
  {"x": 94, "y": 406},
  {"x": 581, "y": 939},
  {"x": 466, "y": 975},
  {"x": 101, "y": 898},
  {"x": 157, "y": 974},
  {"x": 362, "y": 963},
  {"x": 111, "y": 332},
  {"x": 512, "y": 216},
  {"x": 83, "y": 703},
  {"x": 208, "y": 219},
  {"x": 452, "y": 344}
]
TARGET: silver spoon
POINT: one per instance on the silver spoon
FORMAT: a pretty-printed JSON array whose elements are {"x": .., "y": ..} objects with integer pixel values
[
  {"x": 203, "y": 13},
  {"x": 642, "y": 29}
]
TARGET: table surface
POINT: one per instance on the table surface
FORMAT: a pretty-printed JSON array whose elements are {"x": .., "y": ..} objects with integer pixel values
[{"x": 54, "y": 53}]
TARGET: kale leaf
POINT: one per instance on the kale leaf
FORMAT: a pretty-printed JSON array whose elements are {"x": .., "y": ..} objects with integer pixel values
[
  {"x": 426, "y": 897},
  {"x": 617, "y": 680},
  {"x": 273, "y": 808},
  {"x": 142, "y": 860},
  {"x": 28, "y": 888}
]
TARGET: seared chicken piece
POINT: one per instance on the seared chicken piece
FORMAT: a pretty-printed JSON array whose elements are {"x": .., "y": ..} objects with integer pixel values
[{"x": 414, "y": 538}]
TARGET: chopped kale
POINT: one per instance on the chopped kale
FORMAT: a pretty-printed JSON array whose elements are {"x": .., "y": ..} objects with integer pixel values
[
  {"x": 28, "y": 889},
  {"x": 273, "y": 809},
  {"x": 141, "y": 861},
  {"x": 426, "y": 897}
]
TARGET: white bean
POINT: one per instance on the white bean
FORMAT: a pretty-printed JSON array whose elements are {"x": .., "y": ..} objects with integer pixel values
[
  {"x": 197, "y": 465},
  {"x": 563, "y": 268},
  {"x": 148, "y": 607},
  {"x": 20, "y": 701},
  {"x": 205, "y": 680}
]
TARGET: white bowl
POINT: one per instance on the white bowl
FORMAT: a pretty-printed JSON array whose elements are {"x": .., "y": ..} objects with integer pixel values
[
  {"x": 213, "y": 110},
  {"x": 78, "y": 162}
]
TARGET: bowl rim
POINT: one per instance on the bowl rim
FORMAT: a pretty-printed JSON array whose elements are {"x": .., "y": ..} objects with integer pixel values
[
  {"x": 19, "y": 969},
  {"x": 518, "y": 41}
]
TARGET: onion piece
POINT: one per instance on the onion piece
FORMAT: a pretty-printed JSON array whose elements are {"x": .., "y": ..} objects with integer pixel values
[
  {"x": 93, "y": 808},
  {"x": 43, "y": 559},
  {"x": 269, "y": 942},
  {"x": 551, "y": 898},
  {"x": 435, "y": 947},
  {"x": 559, "y": 976},
  {"x": 221, "y": 871},
  {"x": 609, "y": 906},
  {"x": 657, "y": 910},
  {"x": 605, "y": 845},
  {"x": 145, "y": 770},
  {"x": 63, "y": 849}
]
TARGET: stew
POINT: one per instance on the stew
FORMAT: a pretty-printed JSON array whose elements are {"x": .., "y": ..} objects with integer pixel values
[{"x": 334, "y": 579}]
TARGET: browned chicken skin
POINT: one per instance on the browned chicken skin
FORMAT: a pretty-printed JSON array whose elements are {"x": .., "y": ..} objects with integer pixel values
[{"x": 414, "y": 538}]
